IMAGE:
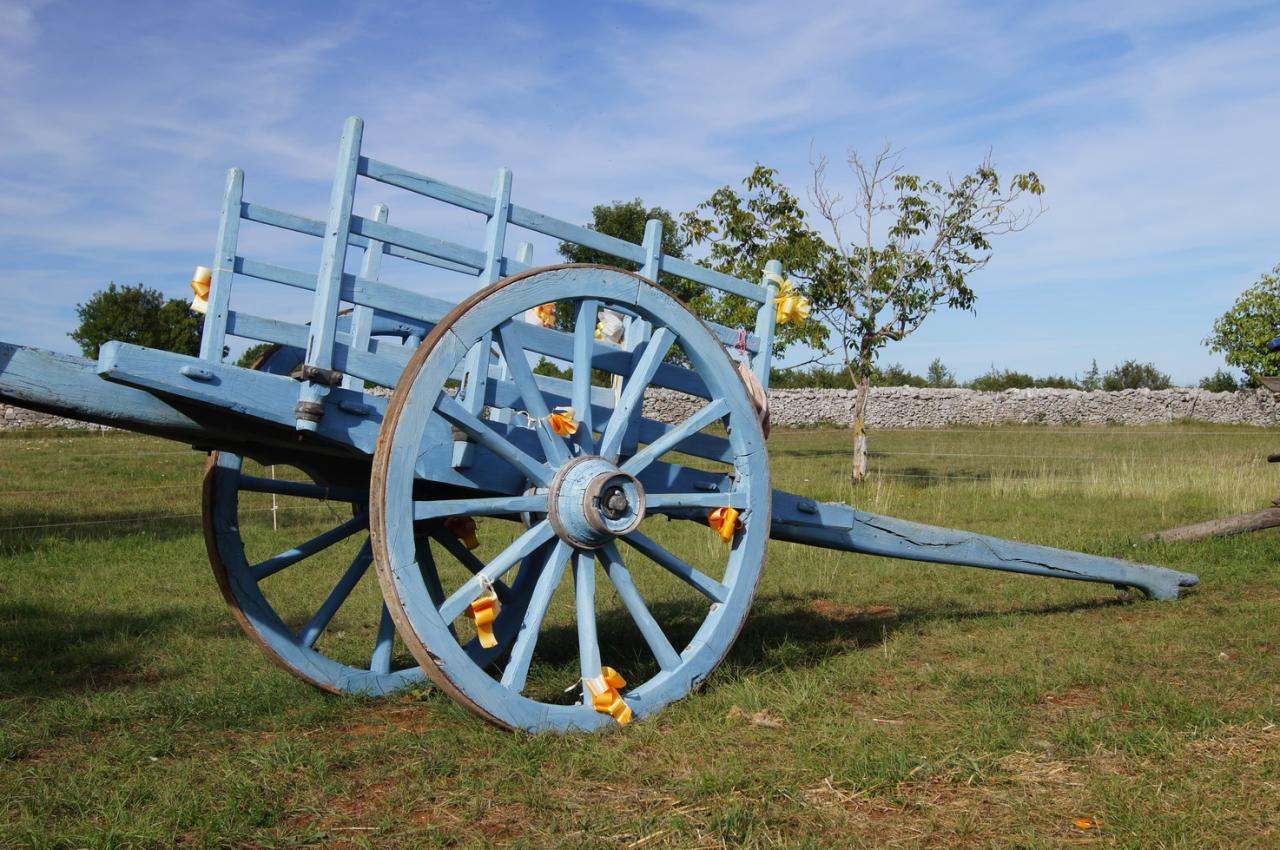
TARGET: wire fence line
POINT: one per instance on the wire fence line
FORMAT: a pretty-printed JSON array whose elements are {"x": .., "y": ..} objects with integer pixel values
[{"x": 882, "y": 467}]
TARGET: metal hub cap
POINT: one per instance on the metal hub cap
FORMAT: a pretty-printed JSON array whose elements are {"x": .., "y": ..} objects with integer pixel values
[{"x": 592, "y": 501}]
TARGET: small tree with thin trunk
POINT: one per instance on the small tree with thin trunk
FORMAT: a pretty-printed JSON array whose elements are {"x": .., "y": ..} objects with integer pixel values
[{"x": 914, "y": 247}]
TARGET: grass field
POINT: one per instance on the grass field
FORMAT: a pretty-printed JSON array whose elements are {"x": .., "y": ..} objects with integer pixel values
[{"x": 907, "y": 705}]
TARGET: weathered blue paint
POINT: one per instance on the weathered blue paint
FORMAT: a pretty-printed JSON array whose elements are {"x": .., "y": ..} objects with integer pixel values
[
  {"x": 214, "y": 336},
  {"x": 513, "y": 469},
  {"x": 426, "y": 624},
  {"x": 333, "y": 258}
]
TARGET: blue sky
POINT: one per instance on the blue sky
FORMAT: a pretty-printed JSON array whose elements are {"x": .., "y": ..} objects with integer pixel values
[{"x": 1155, "y": 126}]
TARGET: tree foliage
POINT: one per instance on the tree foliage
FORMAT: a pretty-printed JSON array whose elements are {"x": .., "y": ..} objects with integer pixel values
[
  {"x": 938, "y": 375},
  {"x": 250, "y": 358},
  {"x": 1242, "y": 333},
  {"x": 139, "y": 315},
  {"x": 744, "y": 231},
  {"x": 916, "y": 243},
  {"x": 626, "y": 220},
  {"x": 1221, "y": 381},
  {"x": 1132, "y": 375}
]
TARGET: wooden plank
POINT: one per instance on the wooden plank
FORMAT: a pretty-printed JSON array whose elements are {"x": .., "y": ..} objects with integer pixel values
[
  {"x": 315, "y": 227},
  {"x": 324, "y": 308},
  {"x": 767, "y": 323},
  {"x": 214, "y": 336}
]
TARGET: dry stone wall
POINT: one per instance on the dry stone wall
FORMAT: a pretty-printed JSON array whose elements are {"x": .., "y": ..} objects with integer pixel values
[{"x": 907, "y": 407}]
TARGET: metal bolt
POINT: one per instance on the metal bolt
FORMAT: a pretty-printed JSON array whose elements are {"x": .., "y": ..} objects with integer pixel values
[{"x": 615, "y": 504}]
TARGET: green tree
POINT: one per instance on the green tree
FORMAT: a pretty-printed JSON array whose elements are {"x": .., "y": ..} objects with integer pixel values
[
  {"x": 897, "y": 375},
  {"x": 250, "y": 357},
  {"x": 1220, "y": 381},
  {"x": 915, "y": 244},
  {"x": 996, "y": 380},
  {"x": 626, "y": 220},
  {"x": 939, "y": 375},
  {"x": 1132, "y": 375},
  {"x": 1242, "y": 333},
  {"x": 139, "y": 315},
  {"x": 1092, "y": 379},
  {"x": 744, "y": 231}
]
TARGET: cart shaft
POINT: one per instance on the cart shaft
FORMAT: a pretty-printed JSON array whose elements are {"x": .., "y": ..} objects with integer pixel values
[{"x": 836, "y": 526}]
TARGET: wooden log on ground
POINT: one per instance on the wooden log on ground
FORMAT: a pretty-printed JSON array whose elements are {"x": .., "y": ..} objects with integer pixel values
[{"x": 1239, "y": 524}]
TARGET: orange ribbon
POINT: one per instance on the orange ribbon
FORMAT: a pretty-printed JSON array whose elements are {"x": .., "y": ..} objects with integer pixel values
[
  {"x": 464, "y": 528},
  {"x": 483, "y": 612},
  {"x": 605, "y": 697},
  {"x": 726, "y": 522},
  {"x": 563, "y": 421},
  {"x": 546, "y": 314}
]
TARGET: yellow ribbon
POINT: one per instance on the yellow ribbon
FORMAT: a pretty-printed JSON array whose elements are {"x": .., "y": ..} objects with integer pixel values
[
  {"x": 200, "y": 283},
  {"x": 725, "y": 521},
  {"x": 792, "y": 306},
  {"x": 605, "y": 697},
  {"x": 483, "y": 612}
]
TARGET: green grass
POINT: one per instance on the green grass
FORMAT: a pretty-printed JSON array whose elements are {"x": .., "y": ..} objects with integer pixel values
[{"x": 919, "y": 705}]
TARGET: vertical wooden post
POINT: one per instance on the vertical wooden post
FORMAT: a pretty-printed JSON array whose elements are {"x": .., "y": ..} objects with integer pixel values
[
  {"x": 214, "y": 336},
  {"x": 476, "y": 377},
  {"x": 767, "y": 322},
  {"x": 362, "y": 316},
  {"x": 638, "y": 331},
  {"x": 324, "y": 312}
]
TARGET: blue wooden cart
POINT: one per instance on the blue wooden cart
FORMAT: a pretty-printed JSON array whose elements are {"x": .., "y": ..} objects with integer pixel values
[{"x": 469, "y": 431}]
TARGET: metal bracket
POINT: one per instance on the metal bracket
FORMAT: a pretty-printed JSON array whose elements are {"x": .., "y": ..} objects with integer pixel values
[{"x": 317, "y": 375}]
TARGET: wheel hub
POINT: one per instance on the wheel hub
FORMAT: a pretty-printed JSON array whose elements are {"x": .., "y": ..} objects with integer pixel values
[{"x": 592, "y": 501}]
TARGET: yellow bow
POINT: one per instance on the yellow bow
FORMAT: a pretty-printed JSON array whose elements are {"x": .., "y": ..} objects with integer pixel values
[
  {"x": 726, "y": 522},
  {"x": 563, "y": 421},
  {"x": 200, "y": 286},
  {"x": 792, "y": 306},
  {"x": 605, "y": 697}
]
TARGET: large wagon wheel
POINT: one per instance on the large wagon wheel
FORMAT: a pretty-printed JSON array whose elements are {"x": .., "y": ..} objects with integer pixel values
[
  {"x": 289, "y": 616},
  {"x": 589, "y": 500}
]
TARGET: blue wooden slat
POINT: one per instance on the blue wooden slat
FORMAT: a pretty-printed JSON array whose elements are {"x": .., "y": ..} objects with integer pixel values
[
  {"x": 471, "y": 589},
  {"x": 417, "y": 242},
  {"x": 517, "y": 669},
  {"x": 324, "y": 312},
  {"x": 633, "y": 392},
  {"x": 361, "y": 314},
  {"x": 584, "y": 590},
  {"x": 315, "y": 227},
  {"x": 766, "y": 323},
  {"x": 699, "y": 581},
  {"x": 319, "y": 621},
  {"x": 479, "y": 357},
  {"x": 214, "y": 336},
  {"x": 667, "y": 656}
]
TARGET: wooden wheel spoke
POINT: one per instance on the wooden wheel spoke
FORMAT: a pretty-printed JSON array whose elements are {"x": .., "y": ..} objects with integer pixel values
[
  {"x": 495, "y": 569},
  {"x": 535, "y": 403},
  {"x": 584, "y": 590},
  {"x": 319, "y": 543},
  {"x": 486, "y": 435},
  {"x": 380, "y": 662},
  {"x": 469, "y": 561},
  {"x": 676, "y": 435},
  {"x": 280, "y": 487},
  {"x": 667, "y": 656},
  {"x": 704, "y": 584},
  {"x": 646, "y": 365},
  {"x": 340, "y": 593},
  {"x": 485, "y": 506},
  {"x": 663, "y": 503},
  {"x": 584, "y": 340},
  {"x": 517, "y": 669}
]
